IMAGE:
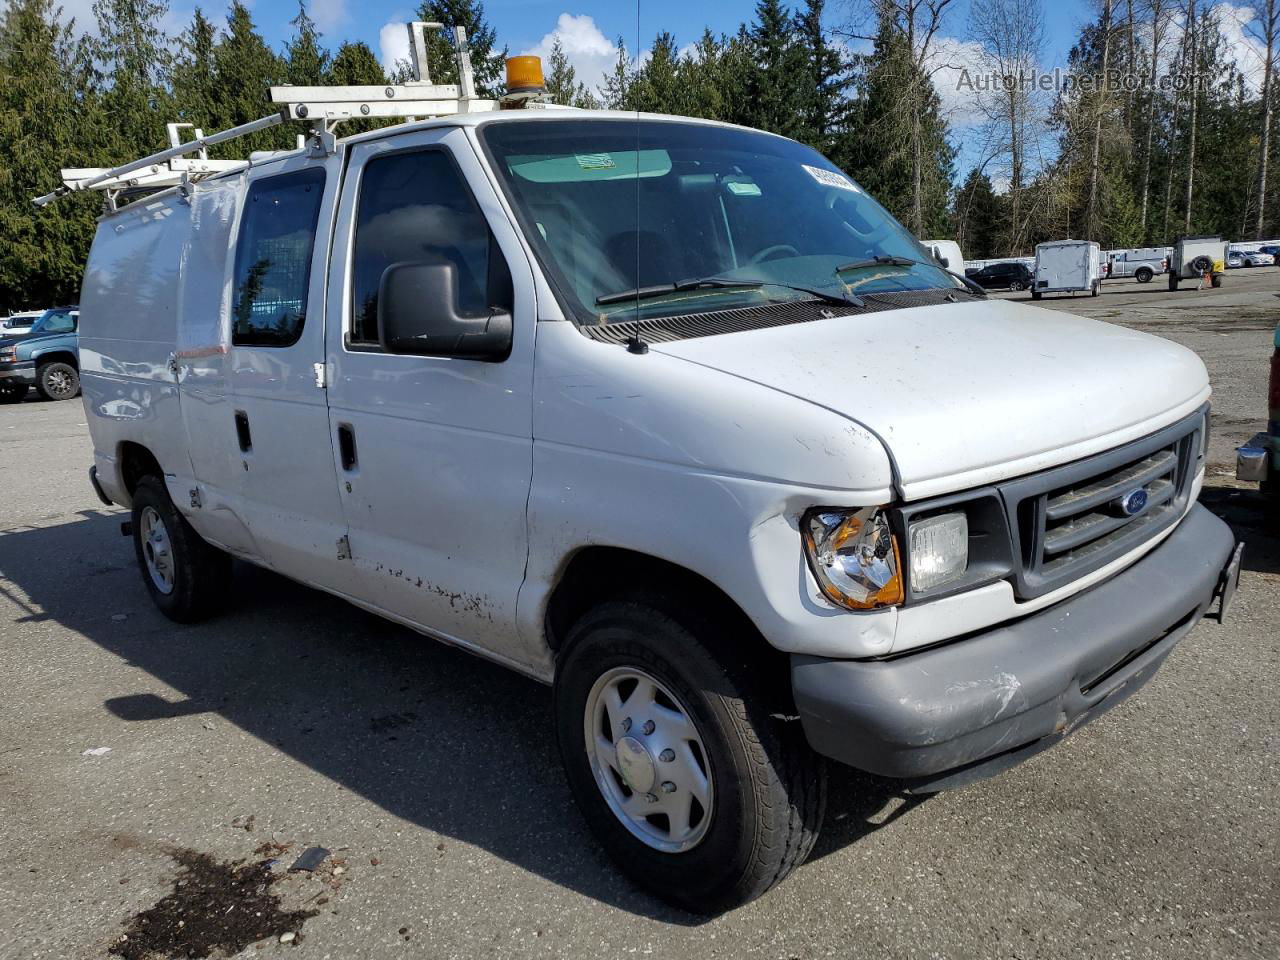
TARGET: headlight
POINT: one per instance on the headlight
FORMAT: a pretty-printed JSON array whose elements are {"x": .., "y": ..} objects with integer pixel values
[
  {"x": 8, "y": 353},
  {"x": 939, "y": 550},
  {"x": 854, "y": 557}
]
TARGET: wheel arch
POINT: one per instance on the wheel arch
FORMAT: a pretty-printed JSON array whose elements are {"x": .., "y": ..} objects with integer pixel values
[
  {"x": 136, "y": 461},
  {"x": 57, "y": 355},
  {"x": 596, "y": 574}
]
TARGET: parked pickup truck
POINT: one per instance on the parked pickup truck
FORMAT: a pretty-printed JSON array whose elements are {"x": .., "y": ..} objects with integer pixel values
[
  {"x": 47, "y": 358},
  {"x": 1141, "y": 264},
  {"x": 672, "y": 416}
]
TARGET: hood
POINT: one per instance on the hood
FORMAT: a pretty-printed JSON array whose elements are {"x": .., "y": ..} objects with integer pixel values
[{"x": 971, "y": 393}]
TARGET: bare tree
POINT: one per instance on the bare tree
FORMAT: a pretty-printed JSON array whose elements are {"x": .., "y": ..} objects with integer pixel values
[
  {"x": 1159, "y": 11},
  {"x": 1268, "y": 20},
  {"x": 1191, "y": 55},
  {"x": 1011, "y": 33},
  {"x": 1094, "y": 201}
]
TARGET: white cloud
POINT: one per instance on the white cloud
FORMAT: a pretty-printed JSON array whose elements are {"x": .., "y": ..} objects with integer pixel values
[
  {"x": 948, "y": 64},
  {"x": 329, "y": 15},
  {"x": 590, "y": 52},
  {"x": 393, "y": 44},
  {"x": 1238, "y": 27}
]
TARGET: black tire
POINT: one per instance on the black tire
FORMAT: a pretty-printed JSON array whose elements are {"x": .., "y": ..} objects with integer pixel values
[
  {"x": 1143, "y": 274},
  {"x": 1015, "y": 285},
  {"x": 1097, "y": 285},
  {"x": 1215, "y": 281},
  {"x": 1173, "y": 282},
  {"x": 11, "y": 392},
  {"x": 201, "y": 573},
  {"x": 57, "y": 380},
  {"x": 1035, "y": 294},
  {"x": 1201, "y": 263},
  {"x": 769, "y": 787}
]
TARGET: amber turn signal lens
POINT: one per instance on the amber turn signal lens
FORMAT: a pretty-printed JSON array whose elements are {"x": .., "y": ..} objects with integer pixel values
[{"x": 524, "y": 74}]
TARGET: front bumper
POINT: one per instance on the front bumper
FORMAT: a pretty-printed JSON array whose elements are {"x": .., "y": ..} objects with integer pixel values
[
  {"x": 19, "y": 371},
  {"x": 960, "y": 712}
]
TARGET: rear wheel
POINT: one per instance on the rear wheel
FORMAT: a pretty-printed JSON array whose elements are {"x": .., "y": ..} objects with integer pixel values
[
  {"x": 1215, "y": 281},
  {"x": 11, "y": 392},
  {"x": 1144, "y": 274},
  {"x": 683, "y": 769},
  {"x": 1035, "y": 294},
  {"x": 1097, "y": 285},
  {"x": 186, "y": 577},
  {"x": 1173, "y": 282},
  {"x": 57, "y": 381},
  {"x": 1015, "y": 285}
]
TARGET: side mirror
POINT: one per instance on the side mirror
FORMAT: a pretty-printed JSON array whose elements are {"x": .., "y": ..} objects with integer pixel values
[
  {"x": 944, "y": 261},
  {"x": 418, "y": 314}
]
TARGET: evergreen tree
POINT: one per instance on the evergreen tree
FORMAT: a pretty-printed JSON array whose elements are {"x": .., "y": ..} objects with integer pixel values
[
  {"x": 305, "y": 60},
  {"x": 194, "y": 84},
  {"x": 775, "y": 87},
  {"x": 562, "y": 80},
  {"x": 488, "y": 62},
  {"x": 657, "y": 87},
  {"x": 354, "y": 65},
  {"x": 977, "y": 217},
  {"x": 616, "y": 91},
  {"x": 47, "y": 106},
  {"x": 133, "y": 53},
  {"x": 245, "y": 69},
  {"x": 823, "y": 105}
]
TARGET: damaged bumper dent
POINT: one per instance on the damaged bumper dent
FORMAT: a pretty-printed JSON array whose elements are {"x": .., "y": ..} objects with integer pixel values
[{"x": 960, "y": 712}]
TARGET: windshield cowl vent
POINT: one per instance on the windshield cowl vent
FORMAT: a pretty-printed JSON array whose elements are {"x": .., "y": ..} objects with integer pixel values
[{"x": 714, "y": 322}]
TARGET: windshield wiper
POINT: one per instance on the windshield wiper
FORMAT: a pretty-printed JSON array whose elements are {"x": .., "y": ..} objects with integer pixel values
[
  {"x": 883, "y": 261},
  {"x": 722, "y": 283},
  {"x": 661, "y": 289}
]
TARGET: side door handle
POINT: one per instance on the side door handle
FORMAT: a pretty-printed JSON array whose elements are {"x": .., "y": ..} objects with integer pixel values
[
  {"x": 242, "y": 431},
  {"x": 347, "y": 446}
]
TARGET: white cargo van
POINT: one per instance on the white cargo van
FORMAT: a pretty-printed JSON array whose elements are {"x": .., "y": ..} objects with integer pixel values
[
  {"x": 1067, "y": 266},
  {"x": 947, "y": 253},
  {"x": 670, "y": 415}
]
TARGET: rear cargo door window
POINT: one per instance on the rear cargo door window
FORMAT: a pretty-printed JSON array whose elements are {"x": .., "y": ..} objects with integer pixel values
[{"x": 273, "y": 258}]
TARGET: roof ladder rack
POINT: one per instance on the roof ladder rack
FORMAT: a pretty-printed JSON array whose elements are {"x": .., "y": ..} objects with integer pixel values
[{"x": 319, "y": 107}]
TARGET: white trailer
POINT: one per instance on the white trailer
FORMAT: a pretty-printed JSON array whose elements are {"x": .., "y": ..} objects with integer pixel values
[
  {"x": 1195, "y": 257},
  {"x": 1067, "y": 266}
]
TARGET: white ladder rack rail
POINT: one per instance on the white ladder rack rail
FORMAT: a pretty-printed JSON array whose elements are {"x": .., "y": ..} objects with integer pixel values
[{"x": 319, "y": 107}]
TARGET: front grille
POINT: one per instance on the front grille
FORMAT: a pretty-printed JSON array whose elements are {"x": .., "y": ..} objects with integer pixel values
[{"x": 1071, "y": 520}]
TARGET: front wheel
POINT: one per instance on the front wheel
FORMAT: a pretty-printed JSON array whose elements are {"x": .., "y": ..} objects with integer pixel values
[
  {"x": 692, "y": 781},
  {"x": 1015, "y": 285},
  {"x": 1144, "y": 275},
  {"x": 187, "y": 578},
  {"x": 57, "y": 381},
  {"x": 1215, "y": 281},
  {"x": 1173, "y": 282}
]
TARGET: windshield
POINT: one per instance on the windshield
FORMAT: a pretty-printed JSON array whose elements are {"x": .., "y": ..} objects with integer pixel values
[
  {"x": 58, "y": 320},
  {"x": 620, "y": 209}
]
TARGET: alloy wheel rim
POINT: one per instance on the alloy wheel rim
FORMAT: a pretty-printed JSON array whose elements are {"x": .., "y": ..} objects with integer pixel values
[
  {"x": 648, "y": 760},
  {"x": 156, "y": 549},
  {"x": 59, "y": 383}
]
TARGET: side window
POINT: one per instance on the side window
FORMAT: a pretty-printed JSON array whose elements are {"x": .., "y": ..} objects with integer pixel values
[
  {"x": 273, "y": 258},
  {"x": 415, "y": 207}
]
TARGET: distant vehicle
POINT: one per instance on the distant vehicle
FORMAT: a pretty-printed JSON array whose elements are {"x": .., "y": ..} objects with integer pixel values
[
  {"x": 1067, "y": 266},
  {"x": 1193, "y": 257},
  {"x": 1249, "y": 258},
  {"x": 1271, "y": 248},
  {"x": 1142, "y": 264},
  {"x": 19, "y": 324},
  {"x": 1002, "y": 276},
  {"x": 1259, "y": 459},
  {"x": 947, "y": 253},
  {"x": 47, "y": 358}
]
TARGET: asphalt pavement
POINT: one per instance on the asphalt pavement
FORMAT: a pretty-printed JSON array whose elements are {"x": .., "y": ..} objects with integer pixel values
[{"x": 431, "y": 777}]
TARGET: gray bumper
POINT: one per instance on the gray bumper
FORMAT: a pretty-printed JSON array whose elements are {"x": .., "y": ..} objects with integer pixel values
[
  {"x": 960, "y": 712},
  {"x": 21, "y": 371}
]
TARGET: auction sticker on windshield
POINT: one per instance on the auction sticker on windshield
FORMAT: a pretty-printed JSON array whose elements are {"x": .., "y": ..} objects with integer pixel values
[{"x": 829, "y": 178}]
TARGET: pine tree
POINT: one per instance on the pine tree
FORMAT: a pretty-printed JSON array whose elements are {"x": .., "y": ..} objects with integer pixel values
[
  {"x": 823, "y": 106},
  {"x": 775, "y": 87},
  {"x": 48, "y": 106},
  {"x": 488, "y": 62},
  {"x": 194, "y": 84},
  {"x": 562, "y": 80},
  {"x": 657, "y": 87},
  {"x": 133, "y": 52},
  {"x": 616, "y": 92},
  {"x": 977, "y": 217},
  {"x": 305, "y": 60},
  {"x": 246, "y": 68},
  {"x": 355, "y": 65}
]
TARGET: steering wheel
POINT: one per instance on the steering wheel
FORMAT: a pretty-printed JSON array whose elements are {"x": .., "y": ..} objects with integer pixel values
[{"x": 771, "y": 253}]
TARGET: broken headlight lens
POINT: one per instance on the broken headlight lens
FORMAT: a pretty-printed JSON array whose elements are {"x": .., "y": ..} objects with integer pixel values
[
  {"x": 854, "y": 557},
  {"x": 939, "y": 550}
]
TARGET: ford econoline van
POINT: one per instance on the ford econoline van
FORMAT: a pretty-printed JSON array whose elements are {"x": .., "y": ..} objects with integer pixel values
[{"x": 674, "y": 417}]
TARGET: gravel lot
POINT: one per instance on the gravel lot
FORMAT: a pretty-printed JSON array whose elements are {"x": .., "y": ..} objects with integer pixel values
[{"x": 432, "y": 777}]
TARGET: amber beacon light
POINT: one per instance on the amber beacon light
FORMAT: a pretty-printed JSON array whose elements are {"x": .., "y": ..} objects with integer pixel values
[{"x": 524, "y": 75}]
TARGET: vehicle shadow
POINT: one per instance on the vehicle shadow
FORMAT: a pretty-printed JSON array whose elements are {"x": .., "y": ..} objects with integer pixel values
[
  {"x": 1244, "y": 510},
  {"x": 432, "y": 735}
]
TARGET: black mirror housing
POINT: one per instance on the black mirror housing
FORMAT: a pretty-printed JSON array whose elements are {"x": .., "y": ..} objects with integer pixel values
[{"x": 418, "y": 315}]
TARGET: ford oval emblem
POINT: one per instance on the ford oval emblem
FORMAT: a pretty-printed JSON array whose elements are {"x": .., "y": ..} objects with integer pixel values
[{"x": 1133, "y": 502}]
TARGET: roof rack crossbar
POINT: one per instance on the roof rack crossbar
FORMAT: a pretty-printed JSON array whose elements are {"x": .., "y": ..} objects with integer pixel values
[{"x": 213, "y": 139}]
